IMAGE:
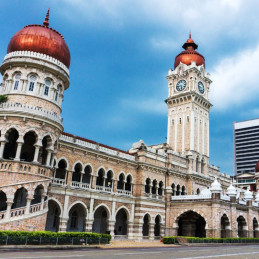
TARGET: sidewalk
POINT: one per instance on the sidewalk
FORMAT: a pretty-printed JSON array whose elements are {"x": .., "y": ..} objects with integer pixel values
[{"x": 113, "y": 245}]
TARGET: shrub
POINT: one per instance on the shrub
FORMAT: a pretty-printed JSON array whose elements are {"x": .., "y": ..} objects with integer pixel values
[
  {"x": 173, "y": 240},
  {"x": 48, "y": 237}
]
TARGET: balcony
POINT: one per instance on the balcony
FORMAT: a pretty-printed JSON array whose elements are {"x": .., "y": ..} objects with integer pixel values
[
  {"x": 20, "y": 213},
  {"x": 124, "y": 192},
  {"x": 25, "y": 168},
  {"x": 80, "y": 185},
  {"x": 30, "y": 109}
]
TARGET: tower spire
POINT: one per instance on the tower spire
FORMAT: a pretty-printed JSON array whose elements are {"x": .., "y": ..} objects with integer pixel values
[
  {"x": 190, "y": 34},
  {"x": 46, "y": 22}
]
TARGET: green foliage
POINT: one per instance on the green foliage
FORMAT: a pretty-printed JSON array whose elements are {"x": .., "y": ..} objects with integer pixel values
[
  {"x": 172, "y": 240},
  {"x": 3, "y": 98},
  {"x": 52, "y": 238}
]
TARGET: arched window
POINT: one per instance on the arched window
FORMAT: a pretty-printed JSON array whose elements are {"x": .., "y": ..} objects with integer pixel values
[
  {"x": 32, "y": 80},
  {"x": 198, "y": 191},
  {"x": 100, "y": 178},
  {"x": 120, "y": 184},
  {"x": 108, "y": 180},
  {"x": 183, "y": 190},
  {"x": 154, "y": 186},
  {"x": 160, "y": 188},
  {"x": 61, "y": 170},
  {"x": 57, "y": 93},
  {"x": 47, "y": 86},
  {"x": 128, "y": 183},
  {"x": 178, "y": 192},
  {"x": 17, "y": 78},
  {"x": 147, "y": 186},
  {"x": 76, "y": 177},
  {"x": 87, "y": 174}
]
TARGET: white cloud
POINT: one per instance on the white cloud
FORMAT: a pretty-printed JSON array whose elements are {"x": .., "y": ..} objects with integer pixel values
[{"x": 235, "y": 79}]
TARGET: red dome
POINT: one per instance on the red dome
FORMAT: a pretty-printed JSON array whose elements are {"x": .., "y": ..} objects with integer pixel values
[
  {"x": 189, "y": 54},
  {"x": 41, "y": 39},
  {"x": 257, "y": 167}
]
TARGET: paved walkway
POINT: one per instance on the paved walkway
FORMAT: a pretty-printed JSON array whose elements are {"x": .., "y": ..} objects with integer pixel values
[{"x": 135, "y": 243}]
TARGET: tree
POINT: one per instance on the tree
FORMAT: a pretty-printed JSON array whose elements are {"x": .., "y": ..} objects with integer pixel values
[{"x": 3, "y": 98}]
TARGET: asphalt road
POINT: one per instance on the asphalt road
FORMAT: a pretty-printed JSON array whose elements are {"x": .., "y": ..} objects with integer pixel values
[{"x": 244, "y": 251}]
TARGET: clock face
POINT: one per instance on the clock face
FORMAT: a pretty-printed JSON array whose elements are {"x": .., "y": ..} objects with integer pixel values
[
  {"x": 180, "y": 86},
  {"x": 201, "y": 87}
]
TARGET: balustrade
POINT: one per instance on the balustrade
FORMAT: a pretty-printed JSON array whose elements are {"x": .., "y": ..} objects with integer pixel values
[
  {"x": 18, "y": 212},
  {"x": 191, "y": 197},
  {"x": 25, "y": 167},
  {"x": 57, "y": 181},
  {"x": 80, "y": 185},
  {"x": 124, "y": 192}
]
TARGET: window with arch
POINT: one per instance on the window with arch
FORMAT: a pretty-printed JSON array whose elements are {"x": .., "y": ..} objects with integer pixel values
[
  {"x": 147, "y": 185},
  {"x": 173, "y": 189},
  {"x": 47, "y": 87},
  {"x": 57, "y": 93},
  {"x": 17, "y": 78},
  {"x": 32, "y": 80}
]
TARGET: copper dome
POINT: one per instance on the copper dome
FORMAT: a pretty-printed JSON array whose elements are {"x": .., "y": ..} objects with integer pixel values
[
  {"x": 41, "y": 39},
  {"x": 257, "y": 167},
  {"x": 189, "y": 54}
]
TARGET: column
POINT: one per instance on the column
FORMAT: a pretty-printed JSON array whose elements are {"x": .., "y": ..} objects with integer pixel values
[
  {"x": 90, "y": 217},
  {"x": 192, "y": 130},
  {"x": 8, "y": 209},
  {"x": 18, "y": 151},
  {"x": 111, "y": 225},
  {"x": 68, "y": 178},
  {"x": 36, "y": 153},
  {"x": 48, "y": 156},
  {"x": 156, "y": 192},
  {"x": 150, "y": 190},
  {"x": 2, "y": 148},
  {"x": 28, "y": 205},
  {"x": 93, "y": 183},
  {"x": 151, "y": 231},
  {"x": 42, "y": 202},
  {"x": 104, "y": 180}
]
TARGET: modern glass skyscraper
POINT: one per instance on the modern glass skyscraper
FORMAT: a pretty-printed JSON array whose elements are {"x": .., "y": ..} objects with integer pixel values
[{"x": 246, "y": 145}]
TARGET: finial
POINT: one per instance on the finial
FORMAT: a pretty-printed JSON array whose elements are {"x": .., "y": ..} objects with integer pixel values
[
  {"x": 190, "y": 34},
  {"x": 46, "y": 22}
]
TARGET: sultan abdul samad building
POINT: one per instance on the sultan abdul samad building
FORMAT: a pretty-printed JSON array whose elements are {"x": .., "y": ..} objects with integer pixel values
[{"x": 53, "y": 180}]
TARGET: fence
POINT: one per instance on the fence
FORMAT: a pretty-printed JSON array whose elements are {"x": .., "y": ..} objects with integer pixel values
[{"x": 43, "y": 240}]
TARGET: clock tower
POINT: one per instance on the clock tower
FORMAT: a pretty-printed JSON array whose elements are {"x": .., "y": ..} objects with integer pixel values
[{"x": 188, "y": 106}]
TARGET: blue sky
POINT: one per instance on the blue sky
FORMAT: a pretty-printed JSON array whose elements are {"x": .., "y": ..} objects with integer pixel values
[{"x": 121, "y": 51}]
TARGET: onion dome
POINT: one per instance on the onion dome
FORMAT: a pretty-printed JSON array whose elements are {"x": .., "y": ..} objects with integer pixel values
[
  {"x": 257, "y": 167},
  {"x": 206, "y": 192},
  {"x": 231, "y": 191},
  {"x": 189, "y": 54},
  {"x": 257, "y": 197},
  {"x": 215, "y": 186},
  {"x": 41, "y": 39},
  {"x": 248, "y": 195}
]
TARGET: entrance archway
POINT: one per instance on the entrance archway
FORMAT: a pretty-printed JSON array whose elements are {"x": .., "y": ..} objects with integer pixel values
[
  {"x": 11, "y": 146},
  {"x": 241, "y": 226},
  {"x": 76, "y": 220},
  {"x": 191, "y": 224},
  {"x": 225, "y": 226},
  {"x": 19, "y": 198},
  {"x": 145, "y": 230},
  {"x": 53, "y": 216},
  {"x": 157, "y": 226},
  {"x": 121, "y": 226},
  {"x": 255, "y": 228},
  {"x": 101, "y": 217},
  {"x": 28, "y": 148},
  {"x": 3, "y": 200}
]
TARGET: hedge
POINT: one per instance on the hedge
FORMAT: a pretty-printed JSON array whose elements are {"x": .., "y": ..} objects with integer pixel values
[
  {"x": 51, "y": 238},
  {"x": 173, "y": 240}
]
